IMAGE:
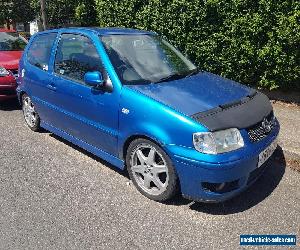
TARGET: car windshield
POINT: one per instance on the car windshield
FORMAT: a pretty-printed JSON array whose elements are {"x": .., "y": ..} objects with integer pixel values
[
  {"x": 11, "y": 41},
  {"x": 142, "y": 59}
]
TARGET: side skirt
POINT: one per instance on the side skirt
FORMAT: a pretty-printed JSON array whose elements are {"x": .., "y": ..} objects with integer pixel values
[{"x": 98, "y": 152}]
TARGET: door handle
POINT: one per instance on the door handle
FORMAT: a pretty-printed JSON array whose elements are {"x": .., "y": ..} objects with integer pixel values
[{"x": 51, "y": 87}]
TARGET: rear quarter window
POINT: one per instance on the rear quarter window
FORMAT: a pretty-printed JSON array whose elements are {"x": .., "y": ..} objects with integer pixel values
[{"x": 39, "y": 51}]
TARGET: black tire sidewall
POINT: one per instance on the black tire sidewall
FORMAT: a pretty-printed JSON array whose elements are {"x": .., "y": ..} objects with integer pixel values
[{"x": 173, "y": 184}]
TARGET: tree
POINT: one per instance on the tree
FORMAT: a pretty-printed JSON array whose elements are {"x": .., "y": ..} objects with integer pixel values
[
  {"x": 58, "y": 13},
  {"x": 85, "y": 13},
  {"x": 5, "y": 12},
  {"x": 44, "y": 14},
  {"x": 16, "y": 11},
  {"x": 62, "y": 13},
  {"x": 22, "y": 11}
]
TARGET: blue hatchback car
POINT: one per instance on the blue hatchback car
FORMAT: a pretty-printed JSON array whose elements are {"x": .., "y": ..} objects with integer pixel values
[{"x": 131, "y": 98}]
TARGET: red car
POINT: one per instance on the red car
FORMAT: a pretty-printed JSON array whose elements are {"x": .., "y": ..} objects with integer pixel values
[{"x": 11, "y": 49}]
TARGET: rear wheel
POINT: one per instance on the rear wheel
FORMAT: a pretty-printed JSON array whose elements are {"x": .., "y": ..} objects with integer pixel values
[
  {"x": 151, "y": 170},
  {"x": 31, "y": 117}
]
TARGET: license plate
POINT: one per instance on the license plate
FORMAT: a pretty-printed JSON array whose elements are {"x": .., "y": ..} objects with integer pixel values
[{"x": 265, "y": 155}]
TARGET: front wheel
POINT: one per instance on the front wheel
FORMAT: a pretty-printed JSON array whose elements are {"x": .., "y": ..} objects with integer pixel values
[
  {"x": 151, "y": 170},
  {"x": 31, "y": 117}
]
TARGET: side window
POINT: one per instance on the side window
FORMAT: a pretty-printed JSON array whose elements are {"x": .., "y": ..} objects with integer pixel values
[
  {"x": 75, "y": 56},
  {"x": 39, "y": 51}
]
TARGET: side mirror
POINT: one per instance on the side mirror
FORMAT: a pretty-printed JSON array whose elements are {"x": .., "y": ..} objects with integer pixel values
[{"x": 94, "y": 79}]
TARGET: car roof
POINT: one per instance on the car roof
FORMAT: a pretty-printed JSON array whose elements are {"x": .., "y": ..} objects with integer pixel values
[{"x": 103, "y": 31}]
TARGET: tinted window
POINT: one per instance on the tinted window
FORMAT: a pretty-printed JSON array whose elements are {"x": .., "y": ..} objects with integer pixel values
[
  {"x": 40, "y": 50},
  {"x": 76, "y": 55},
  {"x": 11, "y": 41}
]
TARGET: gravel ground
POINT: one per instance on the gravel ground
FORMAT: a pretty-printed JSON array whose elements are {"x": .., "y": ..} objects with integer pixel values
[{"x": 54, "y": 195}]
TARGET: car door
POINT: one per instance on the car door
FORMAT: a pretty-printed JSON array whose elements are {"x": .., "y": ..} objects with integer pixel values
[
  {"x": 87, "y": 113},
  {"x": 38, "y": 75}
]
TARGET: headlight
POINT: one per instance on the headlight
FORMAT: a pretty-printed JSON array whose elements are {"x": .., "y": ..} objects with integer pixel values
[
  {"x": 3, "y": 72},
  {"x": 218, "y": 142}
]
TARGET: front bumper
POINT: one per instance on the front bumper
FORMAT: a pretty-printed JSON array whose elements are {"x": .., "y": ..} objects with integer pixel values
[
  {"x": 199, "y": 179},
  {"x": 8, "y": 87}
]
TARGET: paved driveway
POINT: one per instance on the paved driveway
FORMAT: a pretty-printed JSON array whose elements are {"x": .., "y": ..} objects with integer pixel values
[
  {"x": 54, "y": 195},
  {"x": 289, "y": 118}
]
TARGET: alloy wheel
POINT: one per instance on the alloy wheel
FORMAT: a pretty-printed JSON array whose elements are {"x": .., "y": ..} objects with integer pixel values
[
  {"x": 149, "y": 169},
  {"x": 29, "y": 112}
]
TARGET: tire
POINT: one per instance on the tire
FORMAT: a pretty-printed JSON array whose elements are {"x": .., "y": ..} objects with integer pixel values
[
  {"x": 31, "y": 117},
  {"x": 151, "y": 170}
]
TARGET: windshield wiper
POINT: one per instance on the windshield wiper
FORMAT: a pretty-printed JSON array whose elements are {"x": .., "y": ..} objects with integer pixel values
[
  {"x": 192, "y": 72},
  {"x": 171, "y": 77},
  {"x": 177, "y": 76}
]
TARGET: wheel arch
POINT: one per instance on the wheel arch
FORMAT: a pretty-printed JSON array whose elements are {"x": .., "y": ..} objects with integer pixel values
[
  {"x": 134, "y": 137},
  {"x": 131, "y": 138},
  {"x": 20, "y": 95}
]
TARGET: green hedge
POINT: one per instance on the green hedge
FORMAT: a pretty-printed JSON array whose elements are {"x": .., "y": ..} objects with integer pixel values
[{"x": 253, "y": 42}]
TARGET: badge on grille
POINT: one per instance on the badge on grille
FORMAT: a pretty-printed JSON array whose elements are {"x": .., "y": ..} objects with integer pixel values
[{"x": 267, "y": 125}]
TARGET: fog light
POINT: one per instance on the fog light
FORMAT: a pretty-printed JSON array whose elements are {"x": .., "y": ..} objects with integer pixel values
[{"x": 223, "y": 187}]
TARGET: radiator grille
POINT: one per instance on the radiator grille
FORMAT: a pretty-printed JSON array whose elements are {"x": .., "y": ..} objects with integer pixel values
[{"x": 262, "y": 129}]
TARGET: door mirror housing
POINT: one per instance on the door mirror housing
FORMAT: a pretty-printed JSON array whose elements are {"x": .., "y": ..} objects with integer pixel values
[{"x": 94, "y": 79}]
